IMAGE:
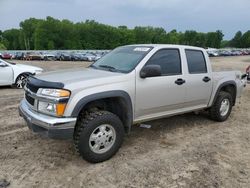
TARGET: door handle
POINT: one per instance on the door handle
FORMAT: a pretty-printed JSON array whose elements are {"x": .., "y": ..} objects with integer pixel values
[
  {"x": 180, "y": 81},
  {"x": 206, "y": 79}
]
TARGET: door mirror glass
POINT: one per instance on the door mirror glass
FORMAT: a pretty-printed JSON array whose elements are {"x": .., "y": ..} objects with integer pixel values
[
  {"x": 3, "y": 64},
  {"x": 150, "y": 71}
]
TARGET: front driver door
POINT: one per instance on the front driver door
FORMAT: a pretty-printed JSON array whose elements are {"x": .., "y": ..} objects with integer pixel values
[
  {"x": 6, "y": 74},
  {"x": 158, "y": 96}
]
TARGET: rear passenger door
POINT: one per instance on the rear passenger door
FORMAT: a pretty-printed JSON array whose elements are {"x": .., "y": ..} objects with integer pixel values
[{"x": 199, "y": 82}]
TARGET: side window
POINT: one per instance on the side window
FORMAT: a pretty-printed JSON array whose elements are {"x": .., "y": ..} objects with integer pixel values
[
  {"x": 168, "y": 59},
  {"x": 196, "y": 62}
]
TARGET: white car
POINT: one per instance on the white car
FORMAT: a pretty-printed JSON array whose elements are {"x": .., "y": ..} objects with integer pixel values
[{"x": 16, "y": 74}]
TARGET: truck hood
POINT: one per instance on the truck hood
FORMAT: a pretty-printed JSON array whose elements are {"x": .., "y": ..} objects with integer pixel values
[{"x": 73, "y": 76}]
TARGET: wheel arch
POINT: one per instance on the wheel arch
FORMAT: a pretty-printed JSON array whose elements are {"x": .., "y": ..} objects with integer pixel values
[
  {"x": 21, "y": 73},
  {"x": 117, "y": 102},
  {"x": 230, "y": 87}
]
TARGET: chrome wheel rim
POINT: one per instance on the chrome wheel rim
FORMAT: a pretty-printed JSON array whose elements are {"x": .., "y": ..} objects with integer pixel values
[
  {"x": 102, "y": 138},
  {"x": 224, "y": 108},
  {"x": 21, "y": 81}
]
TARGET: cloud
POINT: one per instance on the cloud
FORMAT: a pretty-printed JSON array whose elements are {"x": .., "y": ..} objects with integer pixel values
[{"x": 229, "y": 16}]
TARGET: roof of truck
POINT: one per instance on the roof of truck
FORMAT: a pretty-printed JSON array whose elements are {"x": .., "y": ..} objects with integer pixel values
[{"x": 168, "y": 46}]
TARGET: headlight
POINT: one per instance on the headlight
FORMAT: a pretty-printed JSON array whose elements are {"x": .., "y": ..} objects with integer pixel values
[
  {"x": 55, "y": 103},
  {"x": 55, "y": 92},
  {"x": 51, "y": 108},
  {"x": 38, "y": 71}
]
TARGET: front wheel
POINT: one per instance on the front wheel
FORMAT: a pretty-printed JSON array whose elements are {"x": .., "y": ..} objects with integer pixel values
[
  {"x": 222, "y": 107},
  {"x": 98, "y": 136},
  {"x": 21, "y": 81}
]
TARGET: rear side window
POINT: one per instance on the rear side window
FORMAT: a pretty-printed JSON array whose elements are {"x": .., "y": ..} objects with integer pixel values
[
  {"x": 196, "y": 62},
  {"x": 168, "y": 59}
]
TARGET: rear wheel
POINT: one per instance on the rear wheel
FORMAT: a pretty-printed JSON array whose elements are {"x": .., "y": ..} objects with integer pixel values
[
  {"x": 21, "y": 81},
  {"x": 222, "y": 107},
  {"x": 98, "y": 136}
]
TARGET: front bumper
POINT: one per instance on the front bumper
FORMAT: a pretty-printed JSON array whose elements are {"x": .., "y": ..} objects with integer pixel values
[{"x": 52, "y": 127}]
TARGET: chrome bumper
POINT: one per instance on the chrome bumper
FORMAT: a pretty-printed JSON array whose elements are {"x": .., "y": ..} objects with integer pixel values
[{"x": 53, "y": 127}]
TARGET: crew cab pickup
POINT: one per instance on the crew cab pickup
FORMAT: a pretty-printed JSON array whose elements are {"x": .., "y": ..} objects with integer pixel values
[{"x": 96, "y": 106}]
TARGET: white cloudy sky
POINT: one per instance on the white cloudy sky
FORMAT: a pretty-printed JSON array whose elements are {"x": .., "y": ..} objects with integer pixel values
[{"x": 201, "y": 15}]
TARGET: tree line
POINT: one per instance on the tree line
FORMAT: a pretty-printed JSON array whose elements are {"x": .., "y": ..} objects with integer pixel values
[{"x": 51, "y": 33}]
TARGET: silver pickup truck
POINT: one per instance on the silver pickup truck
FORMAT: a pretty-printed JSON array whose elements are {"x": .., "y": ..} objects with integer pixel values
[{"x": 96, "y": 106}]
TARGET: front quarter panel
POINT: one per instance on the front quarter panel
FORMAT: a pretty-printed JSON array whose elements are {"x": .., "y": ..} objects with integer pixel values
[
  {"x": 125, "y": 85},
  {"x": 17, "y": 70}
]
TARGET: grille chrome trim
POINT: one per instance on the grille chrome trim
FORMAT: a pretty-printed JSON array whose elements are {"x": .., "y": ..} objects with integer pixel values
[{"x": 40, "y": 97}]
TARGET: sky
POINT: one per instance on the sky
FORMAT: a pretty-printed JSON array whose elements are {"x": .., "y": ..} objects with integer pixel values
[{"x": 229, "y": 16}]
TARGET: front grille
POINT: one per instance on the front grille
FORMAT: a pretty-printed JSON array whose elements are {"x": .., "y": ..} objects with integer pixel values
[
  {"x": 29, "y": 99},
  {"x": 31, "y": 87}
]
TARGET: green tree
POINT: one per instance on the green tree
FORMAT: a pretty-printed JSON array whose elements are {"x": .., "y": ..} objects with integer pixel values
[
  {"x": 2, "y": 47},
  {"x": 10, "y": 39},
  {"x": 214, "y": 39},
  {"x": 28, "y": 28},
  {"x": 245, "y": 40},
  {"x": 51, "y": 33},
  {"x": 225, "y": 44},
  {"x": 236, "y": 41}
]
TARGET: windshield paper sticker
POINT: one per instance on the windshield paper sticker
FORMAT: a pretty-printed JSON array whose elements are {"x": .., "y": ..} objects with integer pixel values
[{"x": 141, "y": 49}]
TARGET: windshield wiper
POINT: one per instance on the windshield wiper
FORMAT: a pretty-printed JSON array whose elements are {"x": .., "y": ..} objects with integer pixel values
[{"x": 110, "y": 68}]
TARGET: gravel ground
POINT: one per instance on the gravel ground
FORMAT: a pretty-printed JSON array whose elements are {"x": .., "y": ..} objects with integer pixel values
[{"x": 182, "y": 151}]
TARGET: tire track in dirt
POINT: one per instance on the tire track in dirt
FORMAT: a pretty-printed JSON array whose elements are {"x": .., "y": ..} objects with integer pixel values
[{"x": 13, "y": 131}]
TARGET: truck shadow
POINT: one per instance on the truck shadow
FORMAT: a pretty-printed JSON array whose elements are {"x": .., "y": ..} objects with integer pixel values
[
  {"x": 168, "y": 131},
  {"x": 6, "y": 87}
]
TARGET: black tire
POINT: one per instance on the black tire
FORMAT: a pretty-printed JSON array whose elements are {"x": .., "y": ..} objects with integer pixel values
[
  {"x": 215, "y": 112},
  {"x": 86, "y": 126},
  {"x": 21, "y": 81}
]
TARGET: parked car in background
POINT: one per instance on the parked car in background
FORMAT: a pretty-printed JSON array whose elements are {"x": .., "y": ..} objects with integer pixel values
[
  {"x": 99, "y": 55},
  {"x": 49, "y": 56},
  {"x": 33, "y": 56},
  {"x": 89, "y": 57},
  {"x": 57, "y": 55},
  {"x": 16, "y": 74},
  {"x": 77, "y": 57},
  {"x": 225, "y": 53},
  {"x": 63, "y": 56},
  {"x": 19, "y": 55},
  {"x": 213, "y": 53},
  {"x": 6, "y": 55},
  {"x": 236, "y": 53}
]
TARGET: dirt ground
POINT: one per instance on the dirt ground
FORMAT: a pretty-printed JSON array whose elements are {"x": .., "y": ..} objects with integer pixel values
[{"x": 182, "y": 151}]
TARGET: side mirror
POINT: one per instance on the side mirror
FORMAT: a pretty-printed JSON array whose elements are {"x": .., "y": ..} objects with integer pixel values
[
  {"x": 150, "y": 71},
  {"x": 3, "y": 65}
]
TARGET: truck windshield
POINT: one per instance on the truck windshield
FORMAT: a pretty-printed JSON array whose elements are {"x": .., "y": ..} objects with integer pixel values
[{"x": 123, "y": 59}]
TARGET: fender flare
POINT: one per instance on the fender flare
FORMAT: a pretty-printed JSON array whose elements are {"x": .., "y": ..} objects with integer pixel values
[
  {"x": 223, "y": 85},
  {"x": 107, "y": 94}
]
